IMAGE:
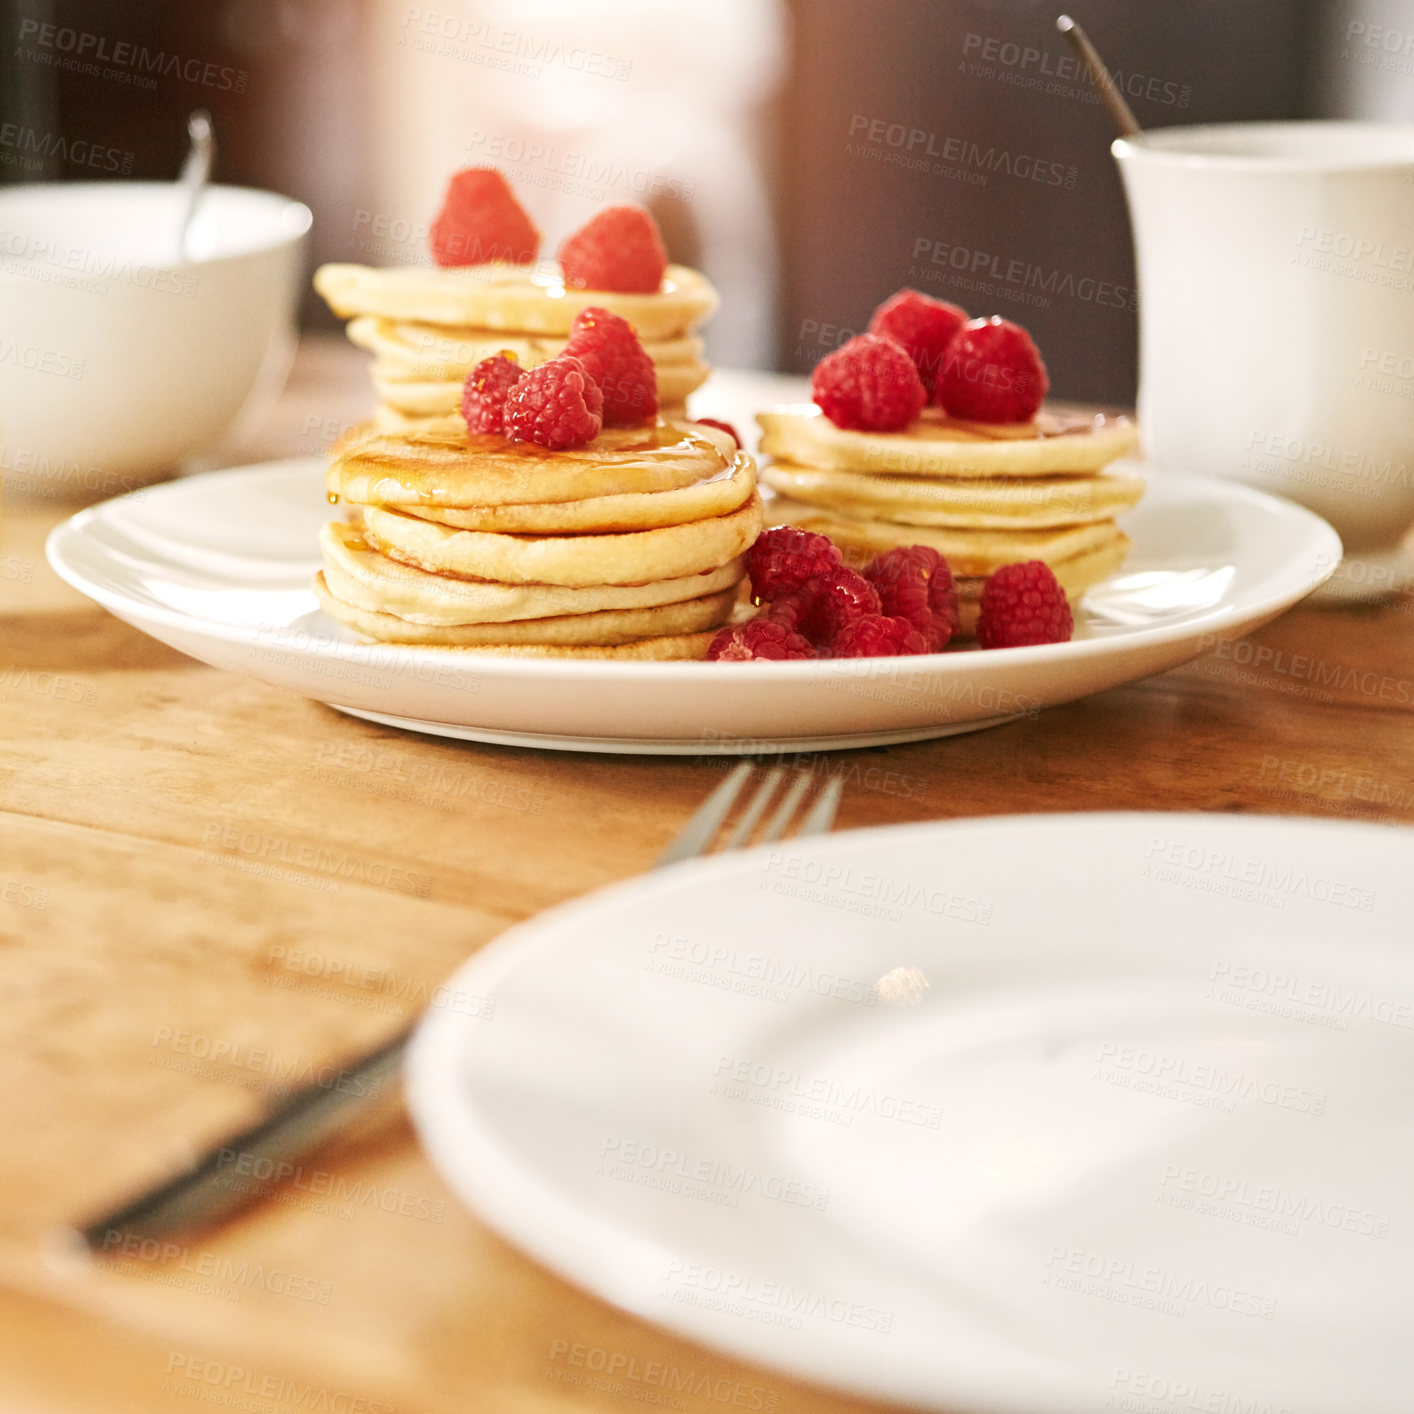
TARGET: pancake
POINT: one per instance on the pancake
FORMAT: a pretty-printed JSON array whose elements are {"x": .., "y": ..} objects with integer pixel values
[
  {"x": 425, "y": 351},
  {"x": 968, "y": 552},
  {"x": 996, "y": 503},
  {"x": 934, "y": 446},
  {"x": 359, "y": 576},
  {"x": 670, "y": 648},
  {"x": 517, "y": 298},
  {"x": 629, "y": 547},
  {"x": 603, "y": 628},
  {"x": 626, "y": 558},
  {"x": 1077, "y": 577},
  {"x": 439, "y": 465},
  {"x": 633, "y": 511},
  {"x": 659, "y": 648},
  {"x": 420, "y": 398}
]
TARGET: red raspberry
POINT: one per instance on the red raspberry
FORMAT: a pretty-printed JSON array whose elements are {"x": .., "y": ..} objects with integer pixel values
[
  {"x": 612, "y": 356},
  {"x": 942, "y": 596},
  {"x": 783, "y": 558},
  {"x": 925, "y": 327},
  {"x": 870, "y": 384},
  {"x": 915, "y": 583},
  {"x": 790, "y": 609},
  {"x": 481, "y": 220},
  {"x": 557, "y": 405},
  {"x": 485, "y": 390},
  {"x": 1023, "y": 604},
  {"x": 993, "y": 373},
  {"x": 837, "y": 598},
  {"x": 721, "y": 427},
  {"x": 758, "y": 638},
  {"x": 620, "y": 249},
  {"x": 877, "y": 636}
]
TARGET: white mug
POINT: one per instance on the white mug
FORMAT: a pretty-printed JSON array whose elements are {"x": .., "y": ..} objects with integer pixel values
[{"x": 1276, "y": 287}]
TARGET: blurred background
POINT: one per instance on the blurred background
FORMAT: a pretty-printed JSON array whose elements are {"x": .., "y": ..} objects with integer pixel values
[{"x": 812, "y": 156}]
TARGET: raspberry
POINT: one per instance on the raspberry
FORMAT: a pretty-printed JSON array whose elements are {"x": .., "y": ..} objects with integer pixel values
[
  {"x": 878, "y": 636},
  {"x": 915, "y": 583},
  {"x": 612, "y": 356},
  {"x": 485, "y": 390},
  {"x": 782, "y": 560},
  {"x": 557, "y": 405},
  {"x": 619, "y": 249},
  {"x": 942, "y": 599},
  {"x": 790, "y": 609},
  {"x": 721, "y": 427},
  {"x": 1023, "y": 604},
  {"x": 925, "y": 327},
  {"x": 481, "y": 220},
  {"x": 837, "y": 598},
  {"x": 993, "y": 373},
  {"x": 869, "y": 384},
  {"x": 903, "y": 594},
  {"x": 758, "y": 638}
]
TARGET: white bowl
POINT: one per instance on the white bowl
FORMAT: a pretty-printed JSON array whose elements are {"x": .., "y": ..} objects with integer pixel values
[{"x": 118, "y": 359}]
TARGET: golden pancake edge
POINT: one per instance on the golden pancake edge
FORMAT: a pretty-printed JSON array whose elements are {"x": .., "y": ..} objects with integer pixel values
[
  {"x": 423, "y": 351},
  {"x": 936, "y": 446},
  {"x": 603, "y": 627},
  {"x": 389, "y": 419},
  {"x": 358, "y": 575},
  {"x": 997, "y": 503},
  {"x": 714, "y": 496},
  {"x": 968, "y": 552},
  {"x": 579, "y": 560},
  {"x": 439, "y": 465},
  {"x": 442, "y": 397},
  {"x": 516, "y": 298}
]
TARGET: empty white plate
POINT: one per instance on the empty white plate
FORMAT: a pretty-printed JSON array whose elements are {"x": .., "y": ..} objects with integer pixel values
[{"x": 1049, "y": 1114}]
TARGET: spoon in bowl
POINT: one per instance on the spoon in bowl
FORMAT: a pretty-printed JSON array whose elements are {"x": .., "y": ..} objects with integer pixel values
[{"x": 196, "y": 173}]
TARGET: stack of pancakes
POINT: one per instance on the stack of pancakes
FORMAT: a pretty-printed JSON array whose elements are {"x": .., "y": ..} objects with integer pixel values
[
  {"x": 983, "y": 495},
  {"x": 629, "y": 547},
  {"x": 428, "y": 328}
]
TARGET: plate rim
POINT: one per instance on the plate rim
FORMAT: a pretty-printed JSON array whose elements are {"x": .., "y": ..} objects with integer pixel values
[
  {"x": 436, "y": 1041},
  {"x": 1297, "y": 587},
  {"x": 678, "y": 746}
]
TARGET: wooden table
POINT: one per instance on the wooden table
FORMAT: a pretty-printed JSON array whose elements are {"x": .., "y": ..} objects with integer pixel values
[{"x": 159, "y": 981}]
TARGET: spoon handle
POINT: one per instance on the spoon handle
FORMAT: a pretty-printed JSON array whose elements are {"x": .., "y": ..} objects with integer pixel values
[
  {"x": 1104, "y": 85},
  {"x": 196, "y": 172}
]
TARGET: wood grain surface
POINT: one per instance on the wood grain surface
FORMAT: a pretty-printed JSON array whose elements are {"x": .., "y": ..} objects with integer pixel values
[{"x": 211, "y": 889}]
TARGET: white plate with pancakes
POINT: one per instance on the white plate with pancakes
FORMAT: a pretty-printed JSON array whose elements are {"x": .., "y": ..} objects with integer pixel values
[
  {"x": 1044, "y": 1115},
  {"x": 220, "y": 567}
]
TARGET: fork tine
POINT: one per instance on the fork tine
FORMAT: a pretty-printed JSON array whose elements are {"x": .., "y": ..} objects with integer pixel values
[
  {"x": 822, "y": 813},
  {"x": 701, "y": 829},
  {"x": 786, "y": 809},
  {"x": 697, "y": 836},
  {"x": 754, "y": 811}
]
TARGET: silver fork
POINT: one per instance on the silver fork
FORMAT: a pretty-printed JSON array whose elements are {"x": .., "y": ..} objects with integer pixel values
[{"x": 206, "y": 1190}]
